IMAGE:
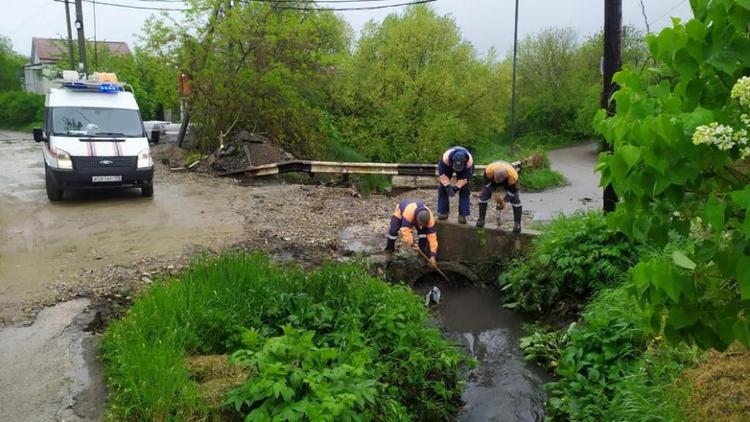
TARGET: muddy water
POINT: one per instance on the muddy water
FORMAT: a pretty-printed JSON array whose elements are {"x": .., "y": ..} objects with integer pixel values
[{"x": 503, "y": 387}]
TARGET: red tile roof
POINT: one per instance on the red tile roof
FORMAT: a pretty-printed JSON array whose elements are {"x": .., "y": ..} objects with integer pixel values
[{"x": 51, "y": 50}]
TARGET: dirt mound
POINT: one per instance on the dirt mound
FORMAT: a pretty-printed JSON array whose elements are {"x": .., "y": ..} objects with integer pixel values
[
  {"x": 244, "y": 150},
  {"x": 719, "y": 388}
]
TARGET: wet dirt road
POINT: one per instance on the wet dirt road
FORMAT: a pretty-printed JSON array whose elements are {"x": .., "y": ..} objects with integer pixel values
[{"x": 41, "y": 240}]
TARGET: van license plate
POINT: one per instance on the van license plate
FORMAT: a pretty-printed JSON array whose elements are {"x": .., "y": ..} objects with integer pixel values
[{"x": 106, "y": 178}]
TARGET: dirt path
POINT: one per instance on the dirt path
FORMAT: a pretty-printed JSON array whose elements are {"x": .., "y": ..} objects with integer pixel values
[{"x": 577, "y": 164}]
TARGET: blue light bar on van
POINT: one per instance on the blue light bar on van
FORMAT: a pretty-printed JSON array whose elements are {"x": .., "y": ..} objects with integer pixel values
[{"x": 106, "y": 88}]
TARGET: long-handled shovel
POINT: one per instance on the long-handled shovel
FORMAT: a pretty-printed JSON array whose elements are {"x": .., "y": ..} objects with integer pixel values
[{"x": 428, "y": 260}]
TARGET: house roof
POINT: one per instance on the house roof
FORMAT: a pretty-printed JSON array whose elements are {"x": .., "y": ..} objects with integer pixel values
[{"x": 51, "y": 50}]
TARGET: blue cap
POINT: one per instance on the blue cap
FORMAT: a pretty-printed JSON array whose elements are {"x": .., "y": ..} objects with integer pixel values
[{"x": 459, "y": 161}]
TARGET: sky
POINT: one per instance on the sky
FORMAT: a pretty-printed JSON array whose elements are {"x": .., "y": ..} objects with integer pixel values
[{"x": 485, "y": 23}]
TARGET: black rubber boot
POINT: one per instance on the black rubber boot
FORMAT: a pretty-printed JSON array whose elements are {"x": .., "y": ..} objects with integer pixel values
[
  {"x": 390, "y": 245},
  {"x": 482, "y": 214},
  {"x": 517, "y": 213}
]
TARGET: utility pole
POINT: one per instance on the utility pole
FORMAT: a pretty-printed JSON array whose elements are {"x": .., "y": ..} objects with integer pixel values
[
  {"x": 611, "y": 63},
  {"x": 70, "y": 34},
  {"x": 513, "y": 145},
  {"x": 82, "y": 67}
]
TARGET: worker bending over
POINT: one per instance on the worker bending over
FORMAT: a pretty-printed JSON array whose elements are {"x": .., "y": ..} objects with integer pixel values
[
  {"x": 410, "y": 215},
  {"x": 458, "y": 161},
  {"x": 500, "y": 173}
]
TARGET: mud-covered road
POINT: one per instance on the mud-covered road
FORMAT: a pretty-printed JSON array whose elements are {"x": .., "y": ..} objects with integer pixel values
[{"x": 106, "y": 246}]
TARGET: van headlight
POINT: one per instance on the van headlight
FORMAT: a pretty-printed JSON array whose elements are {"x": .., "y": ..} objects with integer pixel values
[
  {"x": 144, "y": 159},
  {"x": 62, "y": 158}
]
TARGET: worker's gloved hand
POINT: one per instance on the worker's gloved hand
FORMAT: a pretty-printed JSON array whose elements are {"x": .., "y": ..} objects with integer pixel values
[
  {"x": 432, "y": 262},
  {"x": 409, "y": 241}
]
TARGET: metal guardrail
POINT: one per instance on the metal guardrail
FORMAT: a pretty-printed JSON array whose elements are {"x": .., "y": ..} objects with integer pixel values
[{"x": 335, "y": 167}]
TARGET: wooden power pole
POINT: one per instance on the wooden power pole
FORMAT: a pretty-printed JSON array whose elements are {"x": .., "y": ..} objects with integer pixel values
[
  {"x": 513, "y": 146},
  {"x": 70, "y": 34},
  {"x": 82, "y": 66},
  {"x": 611, "y": 63}
]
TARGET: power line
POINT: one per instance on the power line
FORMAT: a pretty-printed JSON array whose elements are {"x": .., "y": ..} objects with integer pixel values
[
  {"x": 340, "y": 9},
  {"x": 129, "y": 6},
  {"x": 645, "y": 18},
  {"x": 668, "y": 12},
  {"x": 299, "y": 8}
]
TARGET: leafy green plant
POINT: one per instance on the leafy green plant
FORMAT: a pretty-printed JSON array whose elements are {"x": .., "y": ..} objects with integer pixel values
[
  {"x": 332, "y": 344},
  {"x": 574, "y": 257},
  {"x": 544, "y": 345},
  {"x": 680, "y": 168},
  {"x": 298, "y": 380}
]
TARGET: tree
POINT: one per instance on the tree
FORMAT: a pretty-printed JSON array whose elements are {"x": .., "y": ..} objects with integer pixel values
[
  {"x": 413, "y": 87},
  {"x": 258, "y": 66},
  {"x": 680, "y": 167},
  {"x": 11, "y": 66}
]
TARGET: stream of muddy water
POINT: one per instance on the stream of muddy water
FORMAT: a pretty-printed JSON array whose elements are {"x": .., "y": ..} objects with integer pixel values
[{"x": 503, "y": 387}]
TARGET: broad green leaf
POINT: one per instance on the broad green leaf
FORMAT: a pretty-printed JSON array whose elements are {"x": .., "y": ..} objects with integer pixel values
[
  {"x": 665, "y": 280},
  {"x": 714, "y": 213},
  {"x": 742, "y": 197},
  {"x": 696, "y": 29},
  {"x": 680, "y": 317},
  {"x": 741, "y": 331},
  {"x": 630, "y": 154},
  {"x": 742, "y": 273},
  {"x": 682, "y": 261}
]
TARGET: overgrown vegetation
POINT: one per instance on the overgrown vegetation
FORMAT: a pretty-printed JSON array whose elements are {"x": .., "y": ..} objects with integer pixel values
[
  {"x": 608, "y": 364},
  {"x": 680, "y": 168},
  {"x": 576, "y": 257},
  {"x": 336, "y": 344}
]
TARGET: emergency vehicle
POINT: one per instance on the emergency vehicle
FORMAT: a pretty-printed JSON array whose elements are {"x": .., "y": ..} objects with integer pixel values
[{"x": 93, "y": 136}]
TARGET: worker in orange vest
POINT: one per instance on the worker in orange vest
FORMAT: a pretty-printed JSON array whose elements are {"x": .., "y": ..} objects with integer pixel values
[
  {"x": 408, "y": 216},
  {"x": 500, "y": 174}
]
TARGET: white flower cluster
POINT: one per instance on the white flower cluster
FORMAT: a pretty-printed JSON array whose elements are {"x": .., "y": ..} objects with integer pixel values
[
  {"x": 741, "y": 91},
  {"x": 722, "y": 137}
]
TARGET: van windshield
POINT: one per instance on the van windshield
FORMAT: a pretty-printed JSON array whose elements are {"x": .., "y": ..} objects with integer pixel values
[{"x": 95, "y": 121}]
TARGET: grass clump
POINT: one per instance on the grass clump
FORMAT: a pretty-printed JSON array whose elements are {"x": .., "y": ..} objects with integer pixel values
[
  {"x": 574, "y": 258},
  {"x": 536, "y": 180},
  {"x": 334, "y": 344}
]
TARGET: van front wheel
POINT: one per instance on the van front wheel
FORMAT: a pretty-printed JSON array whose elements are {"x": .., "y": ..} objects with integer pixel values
[
  {"x": 53, "y": 192},
  {"x": 147, "y": 191}
]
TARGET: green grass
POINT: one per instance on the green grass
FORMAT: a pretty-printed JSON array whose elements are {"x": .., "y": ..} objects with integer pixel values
[
  {"x": 353, "y": 329},
  {"x": 537, "y": 180}
]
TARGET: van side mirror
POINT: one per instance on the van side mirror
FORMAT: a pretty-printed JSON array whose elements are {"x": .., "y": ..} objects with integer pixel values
[{"x": 38, "y": 135}]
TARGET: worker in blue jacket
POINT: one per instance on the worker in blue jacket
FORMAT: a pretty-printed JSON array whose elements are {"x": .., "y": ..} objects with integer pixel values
[{"x": 459, "y": 162}]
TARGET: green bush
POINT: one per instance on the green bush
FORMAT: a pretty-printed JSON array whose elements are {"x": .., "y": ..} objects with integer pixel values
[
  {"x": 19, "y": 109},
  {"x": 363, "y": 348},
  {"x": 611, "y": 369},
  {"x": 575, "y": 257}
]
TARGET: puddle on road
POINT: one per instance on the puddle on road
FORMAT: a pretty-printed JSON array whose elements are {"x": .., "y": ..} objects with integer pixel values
[{"x": 503, "y": 387}]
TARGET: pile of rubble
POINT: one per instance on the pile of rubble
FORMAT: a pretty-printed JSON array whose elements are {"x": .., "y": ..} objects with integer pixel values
[{"x": 244, "y": 150}]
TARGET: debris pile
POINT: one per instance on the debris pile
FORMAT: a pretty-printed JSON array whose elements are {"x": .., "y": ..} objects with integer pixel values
[{"x": 244, "y": 150}]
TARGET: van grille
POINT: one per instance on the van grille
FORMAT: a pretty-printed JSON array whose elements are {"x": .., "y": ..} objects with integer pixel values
[{"x": 101, "y": 162}]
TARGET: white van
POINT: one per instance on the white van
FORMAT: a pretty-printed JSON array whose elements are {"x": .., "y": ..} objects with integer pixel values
[{"x": 93, "y": 137}]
